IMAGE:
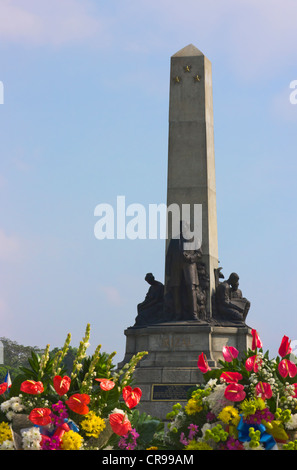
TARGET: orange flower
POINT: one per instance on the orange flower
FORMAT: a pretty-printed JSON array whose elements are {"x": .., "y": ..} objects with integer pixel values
[
  {"x": 106, "y": 384},
  {"x": 32, "y": 387},
  {"x": 40, "y": 416},
  {"x": 78, "y": 403},
  {"x": 131, "y": 397},
  {"x": 61, "y": 384},
  {"x": 119, "y": 423}
]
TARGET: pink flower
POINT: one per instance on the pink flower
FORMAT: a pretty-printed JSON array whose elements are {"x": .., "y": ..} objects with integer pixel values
[
  {"x": 230, "y": 353},
  {"x": 257, "y": 343},
  {"x": 203, "y": 364},
  {"x": 231, "y": 377},
  {"x": 252, "y": 363},
  {"x": 235, "y": 392},
  {"x": 285, "y": 347},
  {"x": 263, "y": 390},
  {"x": 286, "y": 368}
]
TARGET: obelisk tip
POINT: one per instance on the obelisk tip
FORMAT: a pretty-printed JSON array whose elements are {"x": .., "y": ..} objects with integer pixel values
[{"x": 188, "y": 51}]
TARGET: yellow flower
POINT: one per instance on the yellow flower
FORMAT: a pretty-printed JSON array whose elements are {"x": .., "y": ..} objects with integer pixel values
[
  {"x": 193, "y": 407},
  {"x": 152, "y": 448},
  {"x": 194, "y": 445},
  {"x": 229, "y": 415},
  {"x": 71, "y": 441},
  {"x": 93, "y": 425},
  {"x": 5, "y": 432}
]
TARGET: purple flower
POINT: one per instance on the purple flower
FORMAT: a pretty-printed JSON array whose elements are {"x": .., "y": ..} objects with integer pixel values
[
  {"x": 260, "y": 415},
  {"x": 183, "y": 440},
  {"x": 51, "y": 443},
  {"x": 61, "y": 413},
  {"x": 193, "y": 431},
  {"x": 129, "y": 440},
  {"x": 233, "y": 444},
  {"x": 210, "y": 416}
]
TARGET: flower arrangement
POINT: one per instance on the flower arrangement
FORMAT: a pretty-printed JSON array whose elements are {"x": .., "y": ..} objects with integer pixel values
[
  {"x": 245, "y": 404},
  {"x": 45, "y": 409}
]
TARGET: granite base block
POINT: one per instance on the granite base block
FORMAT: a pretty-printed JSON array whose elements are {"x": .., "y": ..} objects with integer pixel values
[{"x": 171, "y": 364}]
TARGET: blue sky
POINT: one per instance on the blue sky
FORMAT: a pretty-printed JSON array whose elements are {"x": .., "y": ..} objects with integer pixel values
[{"x": 85, "y": 119}]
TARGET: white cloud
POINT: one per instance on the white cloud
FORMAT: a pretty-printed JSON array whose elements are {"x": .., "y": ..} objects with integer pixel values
[
  {"x": 42, "y": 22},
  {"x": 112, "y": 295},
  {"x": 282, "y": 108}
]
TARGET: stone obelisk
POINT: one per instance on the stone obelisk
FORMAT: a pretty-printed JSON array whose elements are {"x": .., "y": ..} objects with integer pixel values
[
  {"x": 170, "y": 368},
  {"x": 191, "y": 157}
]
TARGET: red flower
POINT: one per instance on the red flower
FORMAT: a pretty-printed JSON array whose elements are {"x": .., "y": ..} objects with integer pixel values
[
  {"x": 263, "y": 390},
  {"x": 60, "y": 431},
  {"x": 78, "y": 403},
  {"x": 231, "y": 377},
  {"x": 106, "y": 384},
  {"x": 235, "y": 392},
  {"x": 61, "y": 384},
  {"x": 257, "y": 343},
  {"x": 286, "y": 368},
  {"x": 119, "y": 423},
  {"x": 32, "y": 387},
  {"x": 230, "y": 353},
  {"x": 203, "y": 364},
  {"x": 285, "y": 347},
  {"x": 40, "y": 416},
  {"x": 131, "y": 397},
  {"x": 3, "y": 388},
  {"x": 252, "y": 363}
]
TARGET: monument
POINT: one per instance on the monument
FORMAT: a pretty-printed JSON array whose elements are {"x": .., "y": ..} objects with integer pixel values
[{"x": 194, "y": 311}]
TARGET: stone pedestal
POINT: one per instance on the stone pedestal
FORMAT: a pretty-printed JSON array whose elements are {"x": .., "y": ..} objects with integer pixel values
[{"x": 170, "y": 368}]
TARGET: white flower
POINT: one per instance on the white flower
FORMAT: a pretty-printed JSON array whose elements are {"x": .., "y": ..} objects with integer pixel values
[
  {"x": 117, "y": 410},
  {"x": 7, "y": 445},
  {"x": 31, "y": 439},
  {"x": 211, "y": 383},
  {"x": 292, "y": 423},
  {"x": 216, "y": 400},
  {"x": 5, "y": 406},
  {"x": 10, "y": 415},
  {"x": 17, "y": 406}
]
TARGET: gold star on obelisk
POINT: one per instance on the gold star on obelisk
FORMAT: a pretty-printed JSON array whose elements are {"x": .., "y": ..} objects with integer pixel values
[
  {"x": 197, "y": 78},
  {"x": 187, "y": 68},
  {"x": 177, "y": 79}
]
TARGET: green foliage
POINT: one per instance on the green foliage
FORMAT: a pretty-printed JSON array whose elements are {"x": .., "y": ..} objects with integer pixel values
[
  {"x": 150, "y": 429},
  {"x": 15, "y": 356}
]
